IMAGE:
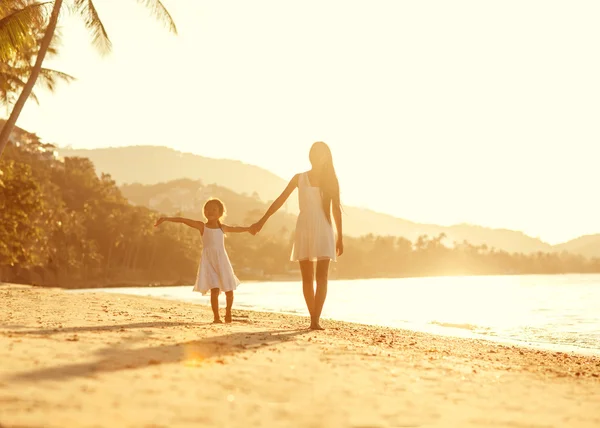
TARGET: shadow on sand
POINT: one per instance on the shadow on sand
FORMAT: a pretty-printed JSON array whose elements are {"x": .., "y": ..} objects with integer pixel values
[
  {"x": 116, "y": 327},
  {"x": 115, "y": 358}
]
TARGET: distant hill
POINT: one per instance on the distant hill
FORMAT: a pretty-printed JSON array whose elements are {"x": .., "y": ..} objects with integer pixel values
[
  {"x": 588, "y": 246},
  {"x": 359, "y": 221},
  {"x": 254, "y": 187},
  {"x": 152, "y": 164},
  {"x": 187, "y": 197}
]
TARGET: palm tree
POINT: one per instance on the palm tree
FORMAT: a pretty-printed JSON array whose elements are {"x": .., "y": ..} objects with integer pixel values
[
  {"x": 87, "y": 10},
  {"x": 14, "y": 72}
]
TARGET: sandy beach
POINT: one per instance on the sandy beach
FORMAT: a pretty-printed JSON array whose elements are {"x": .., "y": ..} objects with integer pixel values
[{"x": 108, "y": 360}]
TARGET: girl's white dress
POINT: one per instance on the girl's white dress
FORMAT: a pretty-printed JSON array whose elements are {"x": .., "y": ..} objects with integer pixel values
[
  {"x": 215, "y": 270},
  {"x": 314, "y": 238}
]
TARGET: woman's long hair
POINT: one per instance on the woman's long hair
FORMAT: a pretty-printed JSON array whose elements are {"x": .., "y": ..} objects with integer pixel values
[{"x": 322, "y": 161}]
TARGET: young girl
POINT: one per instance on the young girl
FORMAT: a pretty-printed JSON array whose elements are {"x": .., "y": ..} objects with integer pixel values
[
  {"x": 319, "y": 197},
  {"x": 215, "y": 272}
]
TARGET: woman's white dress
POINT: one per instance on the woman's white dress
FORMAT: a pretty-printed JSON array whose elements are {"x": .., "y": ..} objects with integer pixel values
[
  {"x": 215, "y": 270},
  {"x": 314, "y": 238}
]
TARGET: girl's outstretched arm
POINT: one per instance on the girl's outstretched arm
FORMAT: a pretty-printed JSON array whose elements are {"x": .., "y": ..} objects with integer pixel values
[
  {"x": 277, "y": 203},
  {"x": 235, "y": 229},
  {"x": 196, "y": 224}
]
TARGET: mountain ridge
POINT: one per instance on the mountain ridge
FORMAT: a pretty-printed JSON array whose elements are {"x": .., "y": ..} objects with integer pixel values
[{"x": 256, "y": 182}]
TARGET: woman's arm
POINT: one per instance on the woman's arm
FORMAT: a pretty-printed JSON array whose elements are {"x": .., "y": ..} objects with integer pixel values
[
  {"x": 337, "y": 217},
  {"x": 196, "y": 224},
  {"x": 277, "y": 203},
  {"x": 235, "y": 229}
]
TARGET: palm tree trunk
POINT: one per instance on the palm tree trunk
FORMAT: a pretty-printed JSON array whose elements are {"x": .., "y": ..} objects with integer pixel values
[{"x": 35, "y": 72}]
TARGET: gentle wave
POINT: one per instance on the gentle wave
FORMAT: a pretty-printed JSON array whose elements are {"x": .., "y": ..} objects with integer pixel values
[{"x": 470, "y": 327}]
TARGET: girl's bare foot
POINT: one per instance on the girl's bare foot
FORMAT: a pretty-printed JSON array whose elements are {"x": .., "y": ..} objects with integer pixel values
[
  {"x": 217, "y": 321},
  {"x": 228, "y": 317}
]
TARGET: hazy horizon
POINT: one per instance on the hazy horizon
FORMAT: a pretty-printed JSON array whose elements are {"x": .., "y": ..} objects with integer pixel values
[{"x": 435, "y": 112}]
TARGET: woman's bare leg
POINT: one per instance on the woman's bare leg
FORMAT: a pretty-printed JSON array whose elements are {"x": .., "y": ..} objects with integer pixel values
[
  {"x": 308, "y": 274},
  {"x": 321, "y": 293}
]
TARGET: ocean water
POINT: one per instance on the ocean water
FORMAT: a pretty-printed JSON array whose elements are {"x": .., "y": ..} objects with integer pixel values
[{"x": 560, "y": 312}]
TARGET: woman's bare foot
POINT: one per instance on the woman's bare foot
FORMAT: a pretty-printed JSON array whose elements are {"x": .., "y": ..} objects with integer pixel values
[
  {"x": 217, "y": 321},
  {"x": 228, "y": 317},
  {"x": 316, "y": 326}
]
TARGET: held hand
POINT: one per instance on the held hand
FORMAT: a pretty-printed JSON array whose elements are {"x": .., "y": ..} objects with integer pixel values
[
  {"x": 159, "y": 221},
  {"x": 255, "y": 228},
  {"x": 339, "y": 247}
]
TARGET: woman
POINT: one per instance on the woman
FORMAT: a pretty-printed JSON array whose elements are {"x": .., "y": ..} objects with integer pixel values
[{"x": 319, "y": 197}]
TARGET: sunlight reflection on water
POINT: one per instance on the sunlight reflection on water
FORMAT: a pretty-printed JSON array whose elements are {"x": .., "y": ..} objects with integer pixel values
[{"x": 552, "y": 311}]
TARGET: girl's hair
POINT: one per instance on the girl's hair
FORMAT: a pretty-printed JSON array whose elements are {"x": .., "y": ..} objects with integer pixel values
[
  {"x": 220, "y": 205},
  {"x": 321, "y": 158}
]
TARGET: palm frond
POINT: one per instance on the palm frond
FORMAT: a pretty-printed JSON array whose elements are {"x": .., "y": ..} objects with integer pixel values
[
  {"x": 50, "y": 78},
  {"x": 34, "y": 97},
  {"x": 161, "y": 13},
  {"x": 15, "y": 27},
  {"x": 13, "y": 80},
  {"x": 93, "y": 23},
  {"x": 55, "y": 44},
  {"x": 11, "y": 85}
]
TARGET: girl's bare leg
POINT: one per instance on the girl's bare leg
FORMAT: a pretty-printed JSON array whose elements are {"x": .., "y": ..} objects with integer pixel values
[
  {"x": 229, "y": 297},
  {"x": 214, "y": 304}
]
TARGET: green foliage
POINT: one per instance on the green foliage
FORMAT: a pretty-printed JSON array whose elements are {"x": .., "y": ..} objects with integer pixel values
[
  {"x": 73, "y": 227},
  {"x": 18, "y": 21},
  {"x": 21, "y": 208}
]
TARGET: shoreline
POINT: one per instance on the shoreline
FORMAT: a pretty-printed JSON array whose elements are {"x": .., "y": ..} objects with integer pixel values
[
  {"x": 465, "y": 334},
  {"x": 91, "y": 285},
  {"x": 433, "y": 328},
  {"x": 109, "y": 359}
]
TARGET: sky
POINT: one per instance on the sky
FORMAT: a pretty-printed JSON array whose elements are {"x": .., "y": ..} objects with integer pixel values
[{"x": 438, "y": 112}]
